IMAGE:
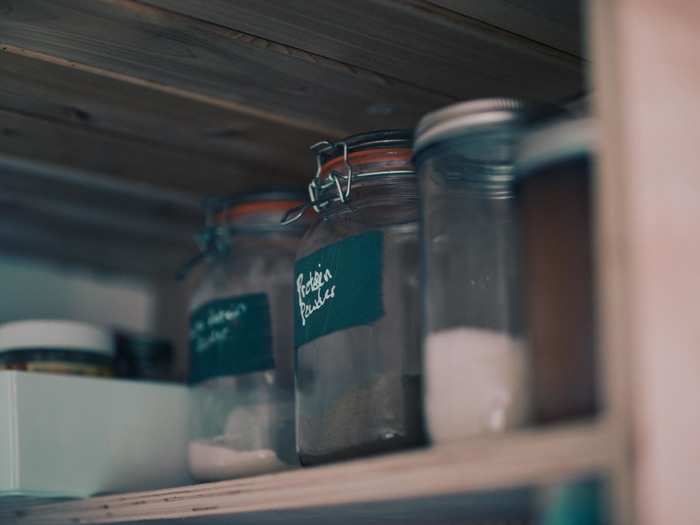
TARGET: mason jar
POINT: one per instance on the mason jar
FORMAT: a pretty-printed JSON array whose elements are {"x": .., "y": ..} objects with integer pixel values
[
  {"x": 476, "y": 362},
  {"x": 356, "y": 305},
  {"x": 555, "y": 185},
  {"x": 241, "y": 339}
]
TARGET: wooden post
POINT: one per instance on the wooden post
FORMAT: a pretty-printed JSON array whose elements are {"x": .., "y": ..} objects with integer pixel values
[{"x": 646, "y": 57}]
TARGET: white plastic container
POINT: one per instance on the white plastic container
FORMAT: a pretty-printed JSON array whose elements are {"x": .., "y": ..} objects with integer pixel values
[{"x": 72, "y": 437}]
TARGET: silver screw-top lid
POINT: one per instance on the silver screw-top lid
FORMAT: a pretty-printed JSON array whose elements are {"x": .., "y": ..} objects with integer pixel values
[{"x": 467, "y": 117}]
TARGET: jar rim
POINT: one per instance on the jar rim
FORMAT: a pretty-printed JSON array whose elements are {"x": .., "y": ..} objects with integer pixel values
[
  {"x": 223, "y": 211},
  {"x": 475, "y": 116},
  {"x": 387, "y": 138},
  {"x": 216, "y": 205}
]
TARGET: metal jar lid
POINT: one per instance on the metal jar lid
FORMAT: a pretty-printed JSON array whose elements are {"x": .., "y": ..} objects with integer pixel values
[
  {"x": 556, "y": 142},
  {"x": 336, "y": 185},
  {"x": 472, "y": 116},
  {"x": 56, "y": 335}
]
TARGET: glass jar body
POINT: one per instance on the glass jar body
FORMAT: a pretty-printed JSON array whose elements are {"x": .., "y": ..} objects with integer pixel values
[
  {"x": 243, "y": 420},
  {"x": 358, "y": 384},
  {"x": 476, "y": 365}
]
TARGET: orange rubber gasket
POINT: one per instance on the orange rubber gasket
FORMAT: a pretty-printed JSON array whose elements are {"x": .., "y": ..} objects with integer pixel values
[
  {"x": 367, "y": 156},
  {"x": 247, "y": 208}
]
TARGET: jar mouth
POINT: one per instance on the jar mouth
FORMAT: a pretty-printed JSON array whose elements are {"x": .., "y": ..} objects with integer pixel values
[
  {"x": 255, "y": 211},
  {"x": 380, "y": 139},
  {"x": 336, "y": 177}
]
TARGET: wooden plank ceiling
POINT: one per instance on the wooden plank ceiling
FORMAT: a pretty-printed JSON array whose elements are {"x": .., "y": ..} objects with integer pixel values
[{"x": 205, "y": 97}]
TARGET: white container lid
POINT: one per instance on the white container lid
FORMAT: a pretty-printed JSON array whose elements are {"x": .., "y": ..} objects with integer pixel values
[
  {"x": 555, "y": 142},
  {"x": 58, "y": 335}
]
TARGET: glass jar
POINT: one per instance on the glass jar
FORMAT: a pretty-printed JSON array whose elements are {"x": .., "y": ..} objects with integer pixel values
[
  {"x": 555, "y": 195},
  {"x": 56, "y": 347},
  {"x": 358, "y": 381},
  {"x": 241, "y": 339},
  {"x": 476, "y": 364}
]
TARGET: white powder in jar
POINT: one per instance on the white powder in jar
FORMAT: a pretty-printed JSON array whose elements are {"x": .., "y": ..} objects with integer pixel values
[
  {"x": 215, "y": 459},
  {"x": 245, "y": 449},
  {"x": 477, "y": 381}
]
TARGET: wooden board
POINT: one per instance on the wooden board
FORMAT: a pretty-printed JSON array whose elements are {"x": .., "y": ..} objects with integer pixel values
[
  {"x": 258, "y": 75},
  {"x": 45, "y": 87},
  {"x": 125, "y": 158},
  {"x": 513, "y": 506},
  {"x": 556, "y": 23},
  {"x": 412, "y": 41},
  {"x": 647, "y": 86},
  {"x": 351, "y": 490},
  {"x": 91, "y": 221}
]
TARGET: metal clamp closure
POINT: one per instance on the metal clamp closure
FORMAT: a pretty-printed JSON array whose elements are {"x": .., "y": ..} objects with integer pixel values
[
  {"x": 318, "y": 186},
  {"x": 214, "y": 239},
  {"x": 335, "y": 178}
]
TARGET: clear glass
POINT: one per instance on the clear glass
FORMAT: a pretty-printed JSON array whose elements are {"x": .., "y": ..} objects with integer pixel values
[
  {"x": 244, "y": 424},
  {"x": 359, "y": 389},
  {"x": 475, "y": 361}
]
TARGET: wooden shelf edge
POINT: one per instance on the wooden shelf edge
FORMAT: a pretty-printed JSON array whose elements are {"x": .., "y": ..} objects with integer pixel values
[{"x": 533, "y": 457}]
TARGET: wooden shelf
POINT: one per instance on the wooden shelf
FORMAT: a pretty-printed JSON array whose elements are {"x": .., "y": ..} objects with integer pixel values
[
  {"x": 97, "y": 222},
  {"x": 458, "y": 479}
]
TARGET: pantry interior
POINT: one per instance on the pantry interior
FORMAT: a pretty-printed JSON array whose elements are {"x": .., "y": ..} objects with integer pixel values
[{"x": 120, "y": 116}]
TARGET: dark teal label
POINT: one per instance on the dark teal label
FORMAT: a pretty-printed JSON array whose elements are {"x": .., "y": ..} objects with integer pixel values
[
  {"x": 230, "y": 337},
  {"x": 338, "y": 286}
]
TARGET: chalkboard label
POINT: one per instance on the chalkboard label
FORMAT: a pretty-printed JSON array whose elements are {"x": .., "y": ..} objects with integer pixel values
[
  {"x": 230, "y": 337},
  {"x": 338, "y": 287}
]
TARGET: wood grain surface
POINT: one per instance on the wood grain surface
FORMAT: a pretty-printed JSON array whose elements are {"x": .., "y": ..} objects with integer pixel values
[
  {"x": 555, "y": 23},
  {"x": 90, "y": 221},
  {"x": 431, "y": 482},
  {"x": 127, "y": 37},
  {"x": 47, "y": 87},
  {"x": 411, "y": 41}
]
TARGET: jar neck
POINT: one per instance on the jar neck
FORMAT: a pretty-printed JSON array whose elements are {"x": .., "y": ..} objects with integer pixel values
[{"x": 378, "y": 199}]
